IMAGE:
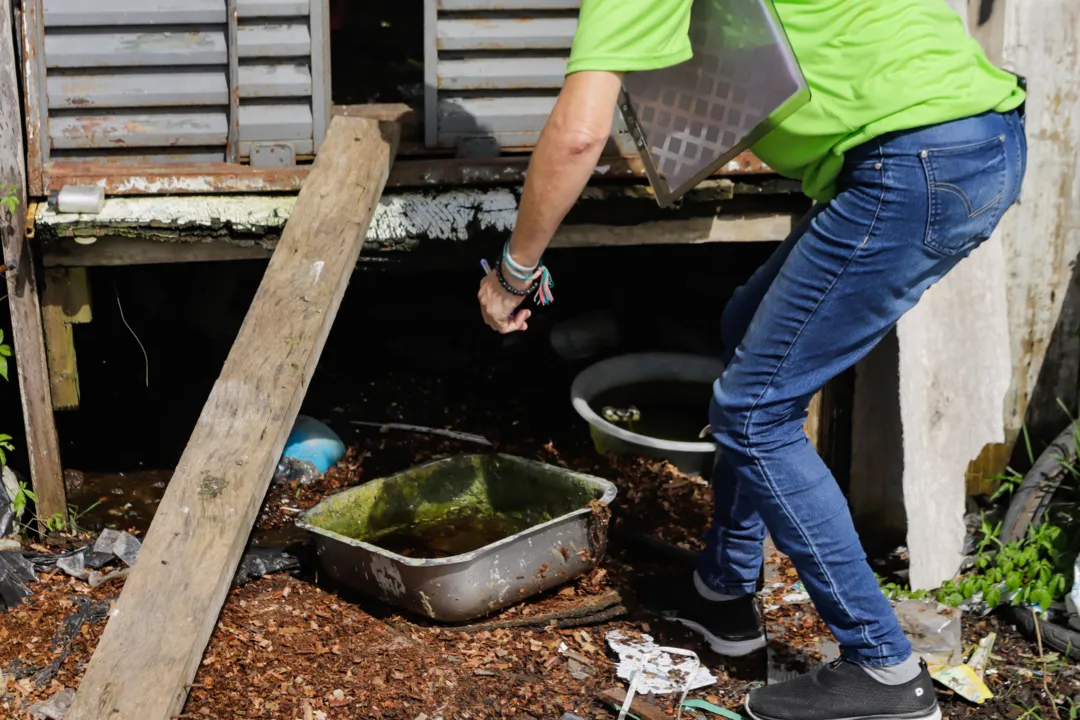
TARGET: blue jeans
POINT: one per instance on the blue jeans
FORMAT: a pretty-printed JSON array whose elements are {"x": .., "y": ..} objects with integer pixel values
[{"x": 910, "y": 206}]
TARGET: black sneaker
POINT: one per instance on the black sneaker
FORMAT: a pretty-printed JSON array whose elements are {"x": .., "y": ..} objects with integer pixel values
[
  {"x": 730, "y": 627},
  {"x": 842, "y": 690}
]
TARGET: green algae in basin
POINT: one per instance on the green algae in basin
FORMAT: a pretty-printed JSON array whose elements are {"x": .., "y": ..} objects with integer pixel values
[
  {"x": 486, "y": 495},
  {"x": 461, "y": 537}
]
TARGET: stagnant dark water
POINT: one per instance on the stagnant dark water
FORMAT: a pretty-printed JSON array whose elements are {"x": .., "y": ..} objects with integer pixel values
[
  {"x": 447, "y": 538},
  {"x": 666, "y": 410}
]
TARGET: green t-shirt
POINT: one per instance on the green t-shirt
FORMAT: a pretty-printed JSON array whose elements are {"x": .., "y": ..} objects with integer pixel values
[{"x": 873, "y": 67}]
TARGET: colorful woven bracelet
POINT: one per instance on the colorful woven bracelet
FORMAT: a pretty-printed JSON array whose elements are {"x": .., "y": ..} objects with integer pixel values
[{"x": 516, "y": 269}]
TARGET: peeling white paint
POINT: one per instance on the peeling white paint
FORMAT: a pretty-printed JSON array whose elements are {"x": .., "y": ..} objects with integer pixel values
[
  {"x": 250, "y": 213},
  {"x": 425, "y": 602},
  {"x": 450, "y": 215},
  {"x": 442, "y": 216},
  {"x": 387, "y": 576}
]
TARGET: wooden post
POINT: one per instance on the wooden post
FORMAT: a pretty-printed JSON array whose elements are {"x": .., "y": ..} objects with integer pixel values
[
  {"x": 66, "y": 302},
  {"x": 1041, "y": 235},
  {"x": 156, "y": 635},
  {"x": 42, "y": 446}
]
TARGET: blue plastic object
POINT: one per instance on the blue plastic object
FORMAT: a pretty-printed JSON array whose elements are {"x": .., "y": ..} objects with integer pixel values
[{"x": 312, "y": 441}]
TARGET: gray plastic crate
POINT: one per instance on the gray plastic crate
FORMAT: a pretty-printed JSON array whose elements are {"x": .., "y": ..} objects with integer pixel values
[
  {"x": 182, "y": 80},
  {"x": 690, "y": 119},
  {"x": 493, "y": 69}
]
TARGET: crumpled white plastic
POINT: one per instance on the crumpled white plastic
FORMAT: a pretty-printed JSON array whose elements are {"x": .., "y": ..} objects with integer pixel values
[{"x": 656, "y": 670}]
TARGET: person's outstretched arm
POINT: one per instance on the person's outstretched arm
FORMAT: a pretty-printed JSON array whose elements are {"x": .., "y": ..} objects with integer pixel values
[
  {"x": 562, "y": 163},
  {"x": 613, "y": 37}
]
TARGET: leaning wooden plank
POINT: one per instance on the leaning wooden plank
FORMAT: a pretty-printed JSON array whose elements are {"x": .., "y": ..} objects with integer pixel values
[
  {"x": 26, "y": 329},
  {"x": 159, "y": 628}
]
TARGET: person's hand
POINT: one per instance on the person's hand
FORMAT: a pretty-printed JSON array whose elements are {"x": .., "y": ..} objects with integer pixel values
[{"x": 497, "y": 305}]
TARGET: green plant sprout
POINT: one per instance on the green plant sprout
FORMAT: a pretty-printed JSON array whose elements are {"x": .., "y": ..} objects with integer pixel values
[
  {"x": 5, "y": 353},
  {"x": 9, "y": 197},
  {"x": 1033, "y": 570},
  {"x": 24, "y": 494}
]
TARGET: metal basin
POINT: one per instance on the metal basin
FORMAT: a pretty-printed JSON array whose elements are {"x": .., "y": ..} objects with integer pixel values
[{"x": 563, "y": 514}]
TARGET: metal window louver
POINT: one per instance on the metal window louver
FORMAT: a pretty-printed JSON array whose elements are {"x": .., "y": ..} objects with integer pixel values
[{"x": 183, "y": 80}]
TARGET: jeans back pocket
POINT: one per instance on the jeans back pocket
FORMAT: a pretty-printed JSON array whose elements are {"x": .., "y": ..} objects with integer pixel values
[{"x": 966, "y": 186}]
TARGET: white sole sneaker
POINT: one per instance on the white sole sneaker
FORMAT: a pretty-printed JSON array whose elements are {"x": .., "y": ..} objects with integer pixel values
[
  {"x": 935, "y": 715},
  {"x": 723, "y": 646}
]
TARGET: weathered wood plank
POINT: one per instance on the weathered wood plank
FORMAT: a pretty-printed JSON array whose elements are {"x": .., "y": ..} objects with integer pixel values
[
  {"x": 121, "y": 251},
  {"x": 65, "y": 302},
  {"x": 194, "y": 543},
  {"x": 26, "y": 328},
  {"x": 403, "y": 219},
  {"x": 750, "y": 227},
  {"x": 638, "y": 706}
]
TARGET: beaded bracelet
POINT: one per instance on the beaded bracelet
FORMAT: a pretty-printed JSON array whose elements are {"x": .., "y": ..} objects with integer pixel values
[{"x": 507, "y": 286}]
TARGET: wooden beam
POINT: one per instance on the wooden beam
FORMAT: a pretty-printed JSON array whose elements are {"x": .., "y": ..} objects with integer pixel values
[
  {"x": 66, "y": 302},
  {"x": 122, "y": 250},
  {"x": 813, "y": 425},
  {"x": 638, "y": 706},
  {"x": 1041, "y": 234},
  {"x": 734, "y": 228},
  {"x": 158, "y": 631},
  {"x": 42, "y": 446}
]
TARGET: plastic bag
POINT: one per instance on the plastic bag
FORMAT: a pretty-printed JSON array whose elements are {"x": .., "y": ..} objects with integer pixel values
[
  {"x": 1072, "y": 600},
  {"x": 9, "y": 488},
  {"x": 311, "y": 449},
  {"x": 933, "y": 629}
]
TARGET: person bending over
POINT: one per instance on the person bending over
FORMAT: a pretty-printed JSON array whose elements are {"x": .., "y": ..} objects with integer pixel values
[{"x": 913, "y": 147}]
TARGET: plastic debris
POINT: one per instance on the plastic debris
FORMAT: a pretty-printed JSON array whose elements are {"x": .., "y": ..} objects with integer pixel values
[
  {"x": 16, "y": 574},
  {"x": 9, "y": 545},
  {"x": 714, "y": 709},
  {"x": 8, "y": 489},
  {"x": 796, "y": 595},
  {"x": 258, "y": 562},
  {"x": 980, "y": 656},
  {"x": 56, "y": 707},
  {"x": 97, "y": 579},
  {"x": 291, "y": 469},
  {"x": 967, "y": 679},
  {"x": 120, "y": 543},
  {"x": 963, "y": 680},
  {"x": 74, "y": 565},
  {"x": 314, "y": 442},
  {"x": 933, "y": 629},
  {"x": 656, "y": 670},
  {"x": 1072, "y": 600}
]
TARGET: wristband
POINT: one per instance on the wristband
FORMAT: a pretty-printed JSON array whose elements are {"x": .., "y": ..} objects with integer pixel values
[{"x": 506, "y": 285}]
